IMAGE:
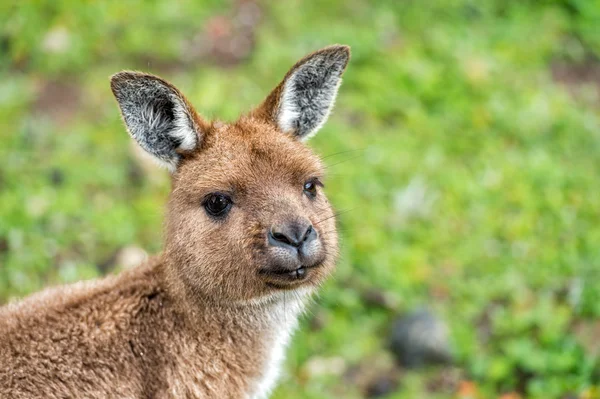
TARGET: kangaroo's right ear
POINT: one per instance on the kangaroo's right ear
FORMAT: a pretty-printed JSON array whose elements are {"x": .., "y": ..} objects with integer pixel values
[{"x": 157, "y": 116}]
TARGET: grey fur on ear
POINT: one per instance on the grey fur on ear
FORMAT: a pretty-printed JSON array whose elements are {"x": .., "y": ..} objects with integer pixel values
[
  {"x": 157, "y": 116},
  {"x": 303, "y": 101}
]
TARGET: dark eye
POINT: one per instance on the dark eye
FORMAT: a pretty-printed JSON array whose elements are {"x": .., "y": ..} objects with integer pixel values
[
  {"x": 217, "y": 204},
  {"x": 310, "y": 188}
]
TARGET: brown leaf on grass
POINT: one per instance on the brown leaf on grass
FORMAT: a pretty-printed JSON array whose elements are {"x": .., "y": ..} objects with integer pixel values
[
  {"x": 587, "y": 332},
  {"x": 444, "y": 380},
  {"x": 577, "y": 76},
  {"x": 467, "y": 390},
  {"x": 510, "y": 395},
  {"x": 226, "y": 39},
  {"x": 58, "y": 100}
]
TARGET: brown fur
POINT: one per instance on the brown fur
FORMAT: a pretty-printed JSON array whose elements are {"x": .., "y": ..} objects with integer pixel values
[{"x": 199, "y": 320}]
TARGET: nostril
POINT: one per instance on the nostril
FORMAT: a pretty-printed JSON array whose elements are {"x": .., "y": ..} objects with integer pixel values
[
  {"x": 307, "y": 234},
  {"x": 280, "y": 237}
]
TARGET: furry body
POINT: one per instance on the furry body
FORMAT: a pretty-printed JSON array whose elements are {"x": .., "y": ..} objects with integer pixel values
[
  {"x": 133, "y": 341},
  {"x": 249, "y": 234}
]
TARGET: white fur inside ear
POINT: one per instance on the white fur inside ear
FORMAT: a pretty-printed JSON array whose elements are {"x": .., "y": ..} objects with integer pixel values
[
  {"x": 309, "y": 93},
  {"x": 289, "y": 111},
  {"x": 183, "y": 126},
  {"x": 305, "y": 116}
]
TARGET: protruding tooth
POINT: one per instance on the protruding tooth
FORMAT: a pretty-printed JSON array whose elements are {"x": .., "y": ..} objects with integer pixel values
[{"x": 298, "y": 273}]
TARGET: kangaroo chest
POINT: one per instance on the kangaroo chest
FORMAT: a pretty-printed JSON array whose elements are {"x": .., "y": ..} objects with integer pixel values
[
  {"x": 243, "y": 364},
  {"x": 276, "y": 344}
]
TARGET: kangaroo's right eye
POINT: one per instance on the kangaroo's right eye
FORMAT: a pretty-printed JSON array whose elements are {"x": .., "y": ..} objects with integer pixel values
[{"x": 217, "y": 204}]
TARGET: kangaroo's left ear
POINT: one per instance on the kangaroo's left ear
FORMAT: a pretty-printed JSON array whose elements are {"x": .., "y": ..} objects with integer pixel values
[{"x": 301, "y": 103}]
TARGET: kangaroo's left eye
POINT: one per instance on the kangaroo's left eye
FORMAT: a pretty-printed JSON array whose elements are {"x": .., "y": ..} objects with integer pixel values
[{"x": 310, "y": 187}]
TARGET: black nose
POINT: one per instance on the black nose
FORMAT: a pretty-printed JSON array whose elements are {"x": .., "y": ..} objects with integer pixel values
[{"x": 293, "y": 234}]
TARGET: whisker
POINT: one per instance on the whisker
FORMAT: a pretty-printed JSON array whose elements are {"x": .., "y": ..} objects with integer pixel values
[
  {"x": 342, "y": 152},
  {"x": 327, "y": 218},
  {"x": 338, "y": 230},
  {"x": 345, "y": 160},
  {"x": 336, "y": 214},
  {"x": 284, "y": 307}
]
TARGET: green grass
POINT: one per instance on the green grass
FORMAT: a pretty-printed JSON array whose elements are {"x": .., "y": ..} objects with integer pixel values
[{"x": 452, "y": 102}]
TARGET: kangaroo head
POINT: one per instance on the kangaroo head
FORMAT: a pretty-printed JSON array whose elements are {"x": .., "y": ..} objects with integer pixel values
[{"x": 247, "y": 218}]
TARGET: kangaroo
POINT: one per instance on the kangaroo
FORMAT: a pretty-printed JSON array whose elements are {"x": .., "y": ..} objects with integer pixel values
[{"x": 249, "y": 235}]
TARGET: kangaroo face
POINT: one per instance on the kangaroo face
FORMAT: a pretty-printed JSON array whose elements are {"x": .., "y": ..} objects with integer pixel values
[{"x": 247, "y": 216}]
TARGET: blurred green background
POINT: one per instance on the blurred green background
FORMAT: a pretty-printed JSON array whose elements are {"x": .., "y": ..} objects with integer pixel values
[{"x": 464, "y": 152}]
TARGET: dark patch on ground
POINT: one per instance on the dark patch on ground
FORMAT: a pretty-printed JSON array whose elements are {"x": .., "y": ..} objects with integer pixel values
[
  {"x": 575, "y": 76},
  {"x": 381, "y": 386}
]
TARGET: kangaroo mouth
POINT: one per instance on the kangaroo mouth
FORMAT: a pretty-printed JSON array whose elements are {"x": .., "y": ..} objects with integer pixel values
[
  {"x": 297, "y": 274},
  {"x": 279, "y": 277}
]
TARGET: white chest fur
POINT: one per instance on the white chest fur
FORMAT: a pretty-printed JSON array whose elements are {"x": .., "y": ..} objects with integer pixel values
[{"x": 284, "y": 318}]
